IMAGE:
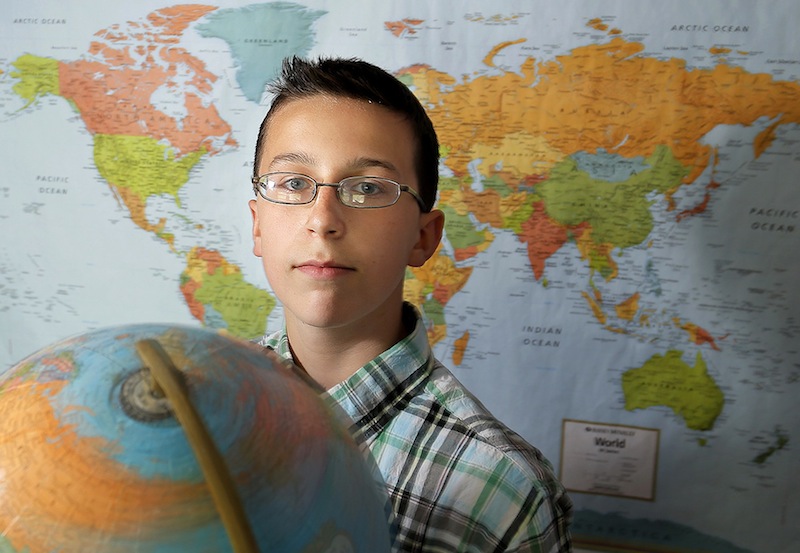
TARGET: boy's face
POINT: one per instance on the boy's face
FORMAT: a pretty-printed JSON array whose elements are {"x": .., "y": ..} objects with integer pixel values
[{"x": 332, "y": 265}]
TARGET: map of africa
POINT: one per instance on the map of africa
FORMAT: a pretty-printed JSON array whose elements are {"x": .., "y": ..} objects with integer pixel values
[{"x": 617, "y": 280}]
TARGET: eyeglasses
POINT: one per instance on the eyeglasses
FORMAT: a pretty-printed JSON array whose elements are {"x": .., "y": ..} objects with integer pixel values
[{"x": 359, "y": 192}]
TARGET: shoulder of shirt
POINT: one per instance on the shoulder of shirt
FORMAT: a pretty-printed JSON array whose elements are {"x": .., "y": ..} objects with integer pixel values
[
  {"x": 495, "y": 438},
  {"x": 484, "y": 427}
]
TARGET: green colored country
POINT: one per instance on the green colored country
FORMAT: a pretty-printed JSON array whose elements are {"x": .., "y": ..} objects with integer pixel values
[
  {"x": 448, "y": 183},
  {"x": 781, "y": 441},
  {"x": 434, "y": 311},
  {"x": 496, "y": 184},
  {"x": 520, "y": 214},
  {"x": 37, "y": 77},
  {"x": 618, "y": 212},
  {"x": 142, "y": 165},
  {"x": 7, "y": 547},
  {"x": 461, "y": 231},
  {"x": 260, "y": 36},
  {"x": 232, "y": 303},
  {"x": 667, "y": 380}
]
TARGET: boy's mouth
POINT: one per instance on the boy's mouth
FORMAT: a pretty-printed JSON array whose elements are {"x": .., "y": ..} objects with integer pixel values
[{"x": 323, "y": 269}]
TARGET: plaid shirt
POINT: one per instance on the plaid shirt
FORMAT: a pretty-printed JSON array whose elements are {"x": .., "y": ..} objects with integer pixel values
[{"x": 458, "y": 479}]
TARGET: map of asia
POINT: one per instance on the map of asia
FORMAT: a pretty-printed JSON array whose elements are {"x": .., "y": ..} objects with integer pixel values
[{"x": 618, "y": 280}]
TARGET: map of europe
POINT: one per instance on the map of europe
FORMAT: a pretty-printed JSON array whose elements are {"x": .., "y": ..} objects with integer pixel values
[{"x": 621, "y": 208}]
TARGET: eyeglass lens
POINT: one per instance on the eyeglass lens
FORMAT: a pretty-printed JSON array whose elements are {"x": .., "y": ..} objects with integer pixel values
[{"x": 290, "y": 188}]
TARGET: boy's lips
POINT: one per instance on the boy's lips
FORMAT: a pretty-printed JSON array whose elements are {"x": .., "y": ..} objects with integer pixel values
[{"x": 323, "y": 269}]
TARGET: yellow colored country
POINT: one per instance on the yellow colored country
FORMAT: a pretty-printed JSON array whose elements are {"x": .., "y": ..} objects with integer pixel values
[{"x": 666, "y": 380}]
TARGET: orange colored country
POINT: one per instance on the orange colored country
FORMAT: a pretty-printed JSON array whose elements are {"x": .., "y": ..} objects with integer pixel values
[
  {"x": 543, "y": 236},
  {"x": 128, "y": 110},
  {"x": 50, "y": 470}
]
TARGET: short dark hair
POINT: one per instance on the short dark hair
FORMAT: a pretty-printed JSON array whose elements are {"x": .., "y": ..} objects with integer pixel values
[{"x": 356, "y": 79}]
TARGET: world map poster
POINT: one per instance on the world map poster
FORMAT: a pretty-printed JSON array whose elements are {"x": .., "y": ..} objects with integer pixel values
[{"x": 618, "y": 279}]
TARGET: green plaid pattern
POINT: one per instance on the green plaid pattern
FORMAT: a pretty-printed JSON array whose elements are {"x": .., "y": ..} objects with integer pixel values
[{"x": 458, "y": 479}]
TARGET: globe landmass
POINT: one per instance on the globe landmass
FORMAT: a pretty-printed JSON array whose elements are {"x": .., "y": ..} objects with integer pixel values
[{"x": 90, "y": 460}]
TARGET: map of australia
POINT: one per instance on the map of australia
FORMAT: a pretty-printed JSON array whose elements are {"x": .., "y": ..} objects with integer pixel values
[{"x": 667, "y": 380}]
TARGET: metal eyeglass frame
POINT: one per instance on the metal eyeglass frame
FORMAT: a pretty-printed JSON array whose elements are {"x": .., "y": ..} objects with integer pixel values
[{"x": 258, "y": 184}]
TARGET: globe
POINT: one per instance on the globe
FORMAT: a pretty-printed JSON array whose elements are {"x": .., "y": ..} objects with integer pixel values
[{"x": 95, "y": 454}]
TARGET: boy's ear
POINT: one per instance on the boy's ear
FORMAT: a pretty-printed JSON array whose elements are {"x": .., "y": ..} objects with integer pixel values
[
  {"x": 256, "y": 228},
  {"x": 431, "y": 226}
]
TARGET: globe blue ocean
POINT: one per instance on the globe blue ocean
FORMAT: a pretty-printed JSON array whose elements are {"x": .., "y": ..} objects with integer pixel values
[{"x": 92, "y": 460}]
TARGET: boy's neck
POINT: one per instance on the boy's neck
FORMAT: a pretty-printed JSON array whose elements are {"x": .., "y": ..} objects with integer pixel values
[{"x": 332, "y": 355}]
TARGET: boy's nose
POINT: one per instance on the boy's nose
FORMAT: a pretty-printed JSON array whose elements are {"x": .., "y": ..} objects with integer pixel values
[{"x": 325, "y": 214}]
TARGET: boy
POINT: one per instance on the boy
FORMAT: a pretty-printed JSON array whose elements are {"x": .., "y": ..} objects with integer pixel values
[{"x": 345, "y": 176}]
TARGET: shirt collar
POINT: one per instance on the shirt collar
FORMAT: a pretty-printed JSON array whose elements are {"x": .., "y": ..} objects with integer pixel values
[{"x": 374, "y": 392}]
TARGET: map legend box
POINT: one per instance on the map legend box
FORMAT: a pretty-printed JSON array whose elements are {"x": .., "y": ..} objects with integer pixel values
[{"x": 609, "y": 459}]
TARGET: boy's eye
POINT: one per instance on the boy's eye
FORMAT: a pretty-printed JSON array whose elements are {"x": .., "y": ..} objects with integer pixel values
[
  {"x": 368, "y": 187},
  {"x": 295, "y": 184}
]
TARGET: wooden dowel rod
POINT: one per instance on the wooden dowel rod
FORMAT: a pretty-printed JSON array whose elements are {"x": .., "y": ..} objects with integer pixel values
[{"x": 220, "y": 482}]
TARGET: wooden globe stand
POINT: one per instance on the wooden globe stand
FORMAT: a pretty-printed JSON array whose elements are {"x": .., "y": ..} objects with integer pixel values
[{"x": 168, "y": 382}]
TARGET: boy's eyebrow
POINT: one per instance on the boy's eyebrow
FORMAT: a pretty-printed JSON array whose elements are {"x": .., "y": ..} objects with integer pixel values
[
  {"x": 369, "y": 162},
  {"x": 292, "y": 157},
  {"x": 354, "y": 164}
]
